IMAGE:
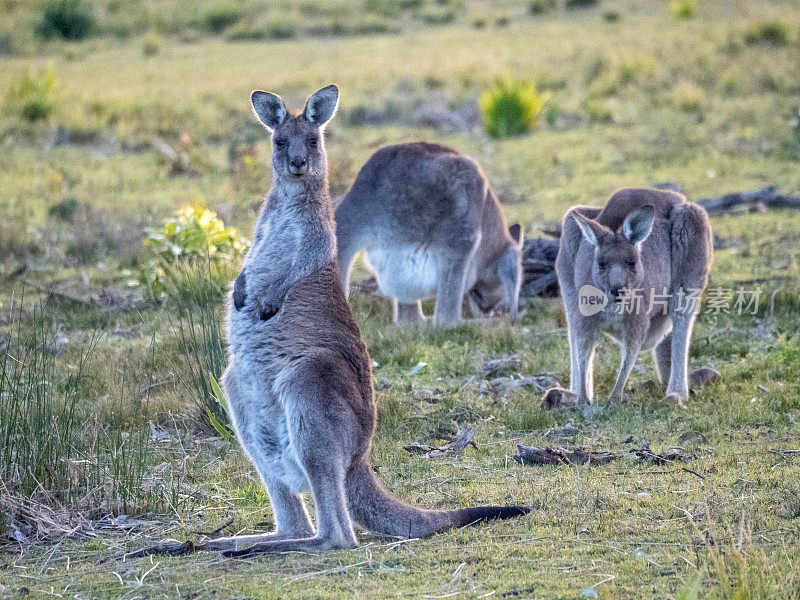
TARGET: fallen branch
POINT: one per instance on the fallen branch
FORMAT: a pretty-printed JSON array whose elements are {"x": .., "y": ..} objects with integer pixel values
[
  {"x": 217, "y": 531},
  {"x": 786, "y": 452},
  {"x": 531, "y": 455},
  {"x": 53, "y": 293},
  {"x": 495, "y": 366},
  {"x": 462, "y": 439},
  {"x": 753, "y": 201},
  {"x": 645, "y": 453}
]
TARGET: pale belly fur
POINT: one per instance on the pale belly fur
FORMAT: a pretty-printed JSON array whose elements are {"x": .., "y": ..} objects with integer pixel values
[{"x": 407, "y": 273}]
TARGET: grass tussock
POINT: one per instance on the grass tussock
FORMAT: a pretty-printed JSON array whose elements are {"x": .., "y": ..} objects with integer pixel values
[
  {"x": 34, "y": 96},
  {"x": 511, "y": 107},
  {"x": 774, "y": 33},
  {"x": 61, "y": 463}
]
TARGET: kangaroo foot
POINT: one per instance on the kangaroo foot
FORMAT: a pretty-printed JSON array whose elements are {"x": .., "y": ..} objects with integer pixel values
[{"x": 676, "y": 398}]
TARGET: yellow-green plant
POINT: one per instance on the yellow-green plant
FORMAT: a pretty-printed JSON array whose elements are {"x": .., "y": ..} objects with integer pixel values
[
  {"x": 683, "y": 9},
  {"x": 195, "y": 232},
  {"x": 34, "y": 96},
  {"x": 194, "y": 244},
  {"x": 511, "y": 107}
]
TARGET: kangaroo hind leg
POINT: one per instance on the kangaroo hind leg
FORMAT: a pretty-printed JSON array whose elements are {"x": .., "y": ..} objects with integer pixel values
[
  {"x": 322, "y": 433},
  {"x": 452, "y": 282}
]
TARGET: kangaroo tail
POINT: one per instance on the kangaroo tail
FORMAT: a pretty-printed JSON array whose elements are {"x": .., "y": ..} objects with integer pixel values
[{"x": 376, "y": 510}]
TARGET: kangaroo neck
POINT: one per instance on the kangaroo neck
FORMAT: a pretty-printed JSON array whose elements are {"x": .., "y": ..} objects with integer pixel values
[
  {"x": 297, "y": 218},
  {"x": 303, "y": 193},
  {"x": 306, "y": 199}
]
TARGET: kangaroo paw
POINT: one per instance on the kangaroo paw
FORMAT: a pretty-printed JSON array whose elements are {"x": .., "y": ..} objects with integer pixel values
[
  {"x": 239, "y": 291},
  {"x": 677, "y": 398}
]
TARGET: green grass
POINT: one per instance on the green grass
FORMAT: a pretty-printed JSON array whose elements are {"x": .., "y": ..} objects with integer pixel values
[{"x": 709, "y": 102}]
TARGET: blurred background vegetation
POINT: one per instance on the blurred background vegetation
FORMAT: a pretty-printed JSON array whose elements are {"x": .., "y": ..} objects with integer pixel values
[{"x": 131, "y": 171}]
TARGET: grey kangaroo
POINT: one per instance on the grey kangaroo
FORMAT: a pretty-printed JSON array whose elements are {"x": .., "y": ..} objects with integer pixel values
[
  {"x": 650, "y": 244},
  {"x": 430, "y": 224},
  {"x": 298, "y": 380}
]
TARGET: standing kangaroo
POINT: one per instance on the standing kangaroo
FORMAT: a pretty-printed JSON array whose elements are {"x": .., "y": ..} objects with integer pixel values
[
  {"x": 648, "y": 244},
  {"x": 430, "y": 224},
  {"x": 298, "y": 379}
]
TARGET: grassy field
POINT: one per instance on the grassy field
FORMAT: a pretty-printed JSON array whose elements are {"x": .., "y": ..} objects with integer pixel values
[{"x": 103, "y": 444}]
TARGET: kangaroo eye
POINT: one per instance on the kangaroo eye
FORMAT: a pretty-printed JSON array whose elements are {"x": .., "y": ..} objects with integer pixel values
[
  {"x": 280, "y": 143},
  {"x": 313, "y": 142},
  {"x": 602, "y": 265},
  {"x": 631, "y": 264}
]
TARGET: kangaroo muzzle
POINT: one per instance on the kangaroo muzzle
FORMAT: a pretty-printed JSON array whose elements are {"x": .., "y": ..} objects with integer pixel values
[{"x": 298, "y": 166}]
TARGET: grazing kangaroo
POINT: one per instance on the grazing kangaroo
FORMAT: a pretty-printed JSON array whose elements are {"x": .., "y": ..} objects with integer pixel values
[
  {"x": 430, "y": 224},
  {"x": 648, "y": 244},
  {"x": 298, "y": 380}
]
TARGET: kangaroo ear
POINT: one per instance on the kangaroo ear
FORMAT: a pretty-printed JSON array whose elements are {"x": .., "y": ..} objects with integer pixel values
[
  {"x": 269, "y": 109},
  {"x": 590, "y": 229},
  {"x": 638, "y": 224},
  {"x": 516, "y": 233},
  {"x": 321, "y": 106}
]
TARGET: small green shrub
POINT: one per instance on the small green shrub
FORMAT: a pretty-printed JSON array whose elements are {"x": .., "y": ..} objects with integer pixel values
[
  {"x": 34, "y": 96},
  {"x": 511, "y": 107},
  {"x": 611, "y": 16},
  {"x": 538, "y": 7},
  {"x": 775, "y": 33},
  {"x": 151, "y": 44},
  {"x": 794, "y": 124},
  {"x": 70, "y": 19},
  {"x": 370, "y": 25},
  {"x": 688, "y": 96},
  {"x": 280, "y": 30},
  {"x": 731, "y": 84},
  {"x": 570, "y": 4},
  {"x": 193, "y": 245},
  {"x": 218, "y": 17},
  {"x": 195, "y": 232},
  {"x": 438, "y": 16},
  {"x": 6, "y": 45},
  {"x": 552, "y": 114},
  {"x": 634, "y": 70},
  {"x": 385, "y": 8},
  {"x": 64, "y": 210},
  {"x": 683, "y": 9}
]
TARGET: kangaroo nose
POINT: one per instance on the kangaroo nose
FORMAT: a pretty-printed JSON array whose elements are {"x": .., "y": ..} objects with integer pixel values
[
  {"x": 298, "y": 166},
  {"x": 616, "y": 291}
]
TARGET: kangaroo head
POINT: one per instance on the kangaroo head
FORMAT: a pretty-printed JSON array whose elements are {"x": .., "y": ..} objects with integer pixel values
[
  {"x": 298, "y": 147},
  {"x": 502, "y": 281},
  {"x": 617, "y": 262}
]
